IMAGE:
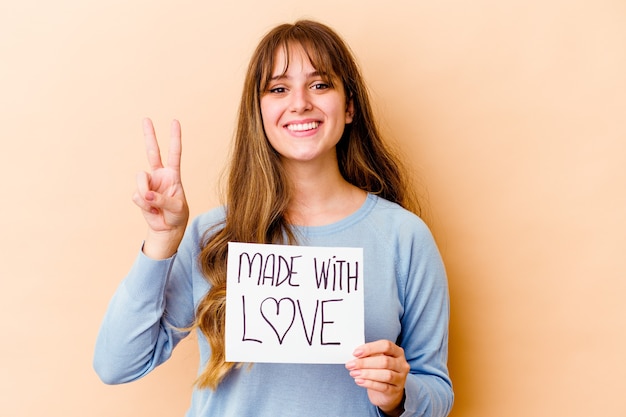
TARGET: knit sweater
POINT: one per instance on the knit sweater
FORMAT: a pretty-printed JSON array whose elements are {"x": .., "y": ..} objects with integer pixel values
[{"x": 405, "y": 297}]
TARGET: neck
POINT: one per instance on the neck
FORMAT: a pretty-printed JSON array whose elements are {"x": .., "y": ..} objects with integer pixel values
[{"x": 321, "y": 196}]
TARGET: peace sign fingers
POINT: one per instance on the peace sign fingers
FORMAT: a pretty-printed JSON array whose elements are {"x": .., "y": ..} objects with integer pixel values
[
  {"x": 152, "y": 146},
  {"x": 160, "y": 194},
  {"x": 173, "y": 159}
]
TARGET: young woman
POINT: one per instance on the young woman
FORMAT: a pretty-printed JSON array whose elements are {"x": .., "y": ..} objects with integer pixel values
[{"x": 308, "y": 168}]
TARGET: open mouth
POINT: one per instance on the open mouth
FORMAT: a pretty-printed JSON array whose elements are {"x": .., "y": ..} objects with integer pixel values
[{"x": 302, "y": 127}]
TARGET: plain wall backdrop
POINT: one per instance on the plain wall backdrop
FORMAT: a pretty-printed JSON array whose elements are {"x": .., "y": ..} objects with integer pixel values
[{"x": 512, "y": 114}]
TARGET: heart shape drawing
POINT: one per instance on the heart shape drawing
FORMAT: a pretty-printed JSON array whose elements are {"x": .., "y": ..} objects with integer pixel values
[{"x": 279, "y": 322}]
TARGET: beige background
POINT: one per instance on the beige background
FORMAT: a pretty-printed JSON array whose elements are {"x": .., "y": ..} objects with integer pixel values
[{"x": 511, "y": 111}]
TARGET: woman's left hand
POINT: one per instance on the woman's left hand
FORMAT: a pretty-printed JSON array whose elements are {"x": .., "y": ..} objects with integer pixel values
[{"x": 381, "y": 368}]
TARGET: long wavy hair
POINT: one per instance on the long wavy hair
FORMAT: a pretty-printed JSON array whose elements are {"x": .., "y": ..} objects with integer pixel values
[{"x": 257, "y": 191}]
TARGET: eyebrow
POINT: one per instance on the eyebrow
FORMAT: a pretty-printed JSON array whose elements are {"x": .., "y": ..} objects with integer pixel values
[{"x": 285, "y": 76}]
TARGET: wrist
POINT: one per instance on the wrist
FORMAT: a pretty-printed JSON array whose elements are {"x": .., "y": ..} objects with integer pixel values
[
  {"x": 161, "y": 245},
  {"x": 397, "y": 410}
]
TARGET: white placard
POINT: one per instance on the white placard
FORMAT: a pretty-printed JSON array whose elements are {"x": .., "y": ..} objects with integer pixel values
[{"x": 293, "y": 304}]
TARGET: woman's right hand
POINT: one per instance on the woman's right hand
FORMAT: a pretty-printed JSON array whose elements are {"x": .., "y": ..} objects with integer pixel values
[{"x": 160, "y": 195}]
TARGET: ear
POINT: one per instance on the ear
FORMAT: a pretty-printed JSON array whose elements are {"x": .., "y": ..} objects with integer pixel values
[{"x": 349, "y": 110}]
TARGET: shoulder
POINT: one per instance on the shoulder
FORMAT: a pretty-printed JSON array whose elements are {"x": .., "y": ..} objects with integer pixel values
[
  {"x": 396, "y": 219},
  {"x": 206, "y": 221},
  {"x": 210, "y": 218},
  {"x": 402, "y": 231}
]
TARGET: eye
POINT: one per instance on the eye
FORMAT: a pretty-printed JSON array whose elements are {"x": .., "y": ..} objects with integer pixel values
[
  {"x": 277, "y": 90},
  {"x": 320, "y": 86}
]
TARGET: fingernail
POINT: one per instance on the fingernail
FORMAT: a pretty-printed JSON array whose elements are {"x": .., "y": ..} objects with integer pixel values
[
  {"x": 350, "y": 365},
  {"x": 357, "y": 353},
  {"x": 355, "y": 373}
]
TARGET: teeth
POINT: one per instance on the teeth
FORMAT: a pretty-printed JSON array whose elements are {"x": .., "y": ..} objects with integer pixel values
[{"x": 301, "y": 127}]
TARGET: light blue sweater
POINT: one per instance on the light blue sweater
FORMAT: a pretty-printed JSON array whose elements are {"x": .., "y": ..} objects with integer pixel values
[{"x": 406, "y": 301}]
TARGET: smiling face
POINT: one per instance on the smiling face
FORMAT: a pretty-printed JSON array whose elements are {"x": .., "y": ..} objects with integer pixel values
[{"x": 304, "y": 112}]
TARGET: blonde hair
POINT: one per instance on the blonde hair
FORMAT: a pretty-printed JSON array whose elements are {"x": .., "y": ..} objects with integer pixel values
[{"x": 257, "y": 189}]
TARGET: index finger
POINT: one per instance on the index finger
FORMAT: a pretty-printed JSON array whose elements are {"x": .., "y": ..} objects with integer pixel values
[
  {"x": 152, "y": 146},
  {"x": 173, "y": 158},
  {"x": 379, "y": 347}
]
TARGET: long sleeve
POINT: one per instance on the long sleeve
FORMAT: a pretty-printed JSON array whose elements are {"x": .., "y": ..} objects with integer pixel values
[
  {"x": 425, "y": 321},
  {"x": 144, "y": 319}
]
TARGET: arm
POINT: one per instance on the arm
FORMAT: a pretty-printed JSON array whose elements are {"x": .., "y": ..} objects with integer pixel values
[
  {"x": 139, "y": 328},
  {"x": 144, "y": 319},
  {"x": 411, "y": 378},
  {"x": 425, "y": 331}
]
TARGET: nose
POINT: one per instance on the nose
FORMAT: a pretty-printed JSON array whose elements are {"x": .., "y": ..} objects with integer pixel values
[{"x": 300, "y": 100}]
